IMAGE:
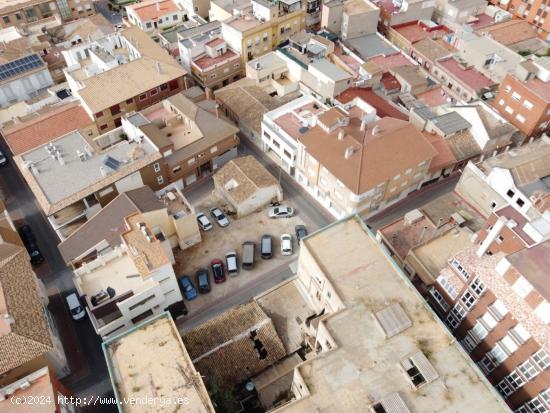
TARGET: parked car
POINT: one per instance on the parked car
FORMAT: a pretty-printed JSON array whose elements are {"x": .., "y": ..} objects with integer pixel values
[
  {"x": 281, "y": 212},
  {"x": 219, "y": 216},
  {"x": 248, "y": 255},
  {"x": 286, "y": 244},
  {"x": 301, "y": 232},
  {"x": 266, "y": 247},
  {"x": 3, "y": 159},
  {"x": 203, "y": 281},
  {"x": 232, "y": 263},
  {"x": 188, "y": 288},
  {"x": 204, "y": 223},
  {"x": 218, "y": 270},
  {"x": 75, "y": 307},
  {"x": 29, "y": 241}
]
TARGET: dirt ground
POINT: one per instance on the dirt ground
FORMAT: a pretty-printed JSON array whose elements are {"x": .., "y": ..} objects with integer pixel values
[{"x": 218, "y": 241}]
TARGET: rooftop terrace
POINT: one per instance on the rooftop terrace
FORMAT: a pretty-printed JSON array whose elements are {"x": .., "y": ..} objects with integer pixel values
[
  {"x": 71, "y": 168},
  {"x": 151, "y": 360}
]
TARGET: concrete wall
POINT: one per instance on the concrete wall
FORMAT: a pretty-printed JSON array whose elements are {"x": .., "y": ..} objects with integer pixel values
[{"x": 359, "y": 24}]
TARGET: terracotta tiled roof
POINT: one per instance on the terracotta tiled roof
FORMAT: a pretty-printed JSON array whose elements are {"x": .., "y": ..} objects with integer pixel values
[
  {"x": 152, "y": 10},
  {"x": 467, "y": 75},
  {"x": 378, "y": 157},
  {"x": 28, "y": 337},
  {"x": 248, "y": 174},
  {"x": 382, "y": 106},
  {"x": 510, "y": 32},
  {"x": 224, "y": 347},
  {"x": 22, "y": 137},
  {"x": 444, "y": 157}
]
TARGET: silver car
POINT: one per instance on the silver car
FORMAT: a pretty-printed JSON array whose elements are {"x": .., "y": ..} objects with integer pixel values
[
  {"x": 204, "y": 222},
  {"x": 219, "y": 216},
  {"x": 281, "y": 212}
]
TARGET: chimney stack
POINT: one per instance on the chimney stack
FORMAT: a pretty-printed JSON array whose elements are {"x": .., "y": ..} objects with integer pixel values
[
  {"x": 375, "y": 130},
  {"x": 158, "y": 6},
  {"x": 363, "y": 123},
  {"x": 349, "y": 152},
  {"x": 217, "y": 110},
  {"x": 341, "y": 134}
]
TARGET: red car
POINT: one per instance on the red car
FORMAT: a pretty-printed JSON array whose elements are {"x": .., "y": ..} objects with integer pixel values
[{"x": 218, "y": 270}]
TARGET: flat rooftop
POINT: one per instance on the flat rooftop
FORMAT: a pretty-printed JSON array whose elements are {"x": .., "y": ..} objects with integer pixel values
[
  {"x": 371, "y": 45},
  {"x": 416, "y": 31},
  {"x": 364, "y": 367},
  {"x": 533, "y": 263},
  {"x": 58, "y": 183},
  {"x": 292, "y": 121},
  {"x": 150, "y": 361},
  {"x": 467, "y": 75}
]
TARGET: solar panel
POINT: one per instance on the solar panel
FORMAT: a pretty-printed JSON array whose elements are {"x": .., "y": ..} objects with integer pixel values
[
  {"x": 19, "y": 66},
  {"x": 111, "y": 162}
]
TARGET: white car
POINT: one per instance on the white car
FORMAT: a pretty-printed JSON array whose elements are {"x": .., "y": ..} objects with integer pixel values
[
  {"x": 286, "y": 244},
  {"x": 77, "y": 312},
  {"x": 281, "y": 212},
  {"x": 219, "y": 216},
  {"x": 204, "y": 222}
]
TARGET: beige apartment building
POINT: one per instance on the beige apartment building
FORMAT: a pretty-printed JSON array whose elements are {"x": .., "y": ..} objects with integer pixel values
[
  {"x": 121, "y": 73},
  {"x": 137, "y": 362},
  {"x": 122, "y": 257},
  {"x": 193, "y": 141},
  {"x": 375, "y": 345},
  {"x": 22, "y": 12},
  {"x": 351, "y": 161},
  {"x": 261, "y": 26},
  {"x": 217, "y": 66}
]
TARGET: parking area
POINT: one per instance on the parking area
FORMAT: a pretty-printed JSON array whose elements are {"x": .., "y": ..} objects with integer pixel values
[{"x": 218, "y": 241}]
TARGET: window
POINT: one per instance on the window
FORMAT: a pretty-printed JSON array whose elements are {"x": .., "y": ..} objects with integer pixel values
[
  {"x": 522, "y": 287},
  {"x": 499, "y": 239},
  {"x": 536, "y": 406},
  {"x": 456, "y": 265},
  {"x": 468, "y": 344},
  {"x": 516, "y": 96},
  {"x": 129, "y": 101},
  {"x": 509, "y": 110},
  {"x": 519, "y": 333},
  {"x": 478, "y": 287},
  {"x": 439, "y": 298},
  {"x": 173, "y": 84},
  {"x": 156, "y": 167},
  {"x": 528, "y": 370},
  {"x": 6, "y": 19},
  {"x": 510, "y": 193},
  {"x": 142, "y": 97},
  {"x": 520, "y": 202},
  {"x": 478, "y": 332},
  {"x": 452, "y": 322},
  {"x": 176, "y": 169},
  {"x": 501, "y": 102},
  {"x": 145, "y": 300},
  {"x": 504, "y": 388},
  {"x": 498, "y": 310},
  {"x": 508, "y": 344},
  {"x": 487, "y": 365},
  {"x": 175, "y": 17},
  {"x": 515, "y": 380},
  {"x": 468, "y": 300},
  {"x": 459, "y": 312},
  {"x": 99, "y": 114},
  {"x": 103, "y": 127},
  {"x": 160, "y": 180},
  {"x": 213, "y": 76},
  {"x": 498, "y": 354},
  {"x": 163, "y": 87},
  {"x": 153, "y": 92},
  {"x": 520, "y": 118},
  {"x": 488, "y": 321},
  {"x": 545, "y": 395},
  {"x": 115, "y": 110},
  {"x": 528, "y": 105},
  {"x": 542, "y": 359}
]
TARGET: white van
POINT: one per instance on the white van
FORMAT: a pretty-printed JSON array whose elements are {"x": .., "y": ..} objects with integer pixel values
[
  {"x": 77, "y": 312},
  {"x": 231, "y": 263}
]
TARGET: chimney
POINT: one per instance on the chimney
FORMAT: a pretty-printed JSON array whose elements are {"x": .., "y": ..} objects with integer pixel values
[
  {"x": 217, "y": 110},
  {"x": 341, "y": 134},
  {"x": 363, "y": 124},
  {"x": 375, "y": 130},
  {"x": 349, "y": 152},
  {"x": 491, "y": 236}
]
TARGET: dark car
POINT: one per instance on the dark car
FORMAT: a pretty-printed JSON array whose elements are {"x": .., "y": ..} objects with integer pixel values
[
  {"x": 188, "y": 288},
  {"x": 301, "y": 232},
  {"x": 218, "y": 271},
  {"x": 3, "y": 159},
  {"x": 203, "y": 281},
  {"x": 29, "y": 241}
]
